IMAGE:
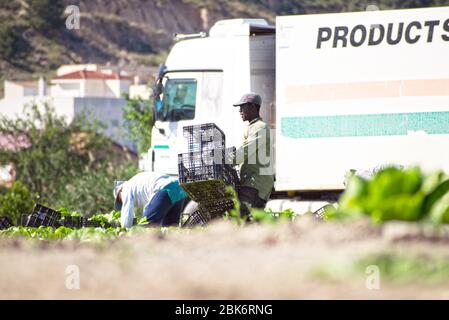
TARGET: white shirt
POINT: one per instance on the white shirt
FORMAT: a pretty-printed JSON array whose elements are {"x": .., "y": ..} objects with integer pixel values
[{"x": 138, "y": 192}]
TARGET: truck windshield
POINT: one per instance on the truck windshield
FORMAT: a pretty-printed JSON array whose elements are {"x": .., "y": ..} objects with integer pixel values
[{"x": 179, "y": 100}]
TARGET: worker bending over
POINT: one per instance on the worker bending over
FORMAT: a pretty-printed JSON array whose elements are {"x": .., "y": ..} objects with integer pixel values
[{"x": 159, "y": 196}]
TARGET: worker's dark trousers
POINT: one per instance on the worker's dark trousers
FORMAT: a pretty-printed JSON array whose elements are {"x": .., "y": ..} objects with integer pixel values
[
  {"x": 249, "y": 198},
  {"x": 162, "y": 211}
]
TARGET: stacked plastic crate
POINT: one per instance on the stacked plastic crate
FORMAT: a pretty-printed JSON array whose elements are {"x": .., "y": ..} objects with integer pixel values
[
  {"x": 43, "y": 216},
  {"x": 204, "y": 172},
  {"x": 47, "y": 217}
]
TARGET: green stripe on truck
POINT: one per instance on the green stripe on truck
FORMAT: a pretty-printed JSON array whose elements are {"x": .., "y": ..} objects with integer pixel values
[
  {"x": 361, "y": 125},
  {"x": 161, "y": 147}
]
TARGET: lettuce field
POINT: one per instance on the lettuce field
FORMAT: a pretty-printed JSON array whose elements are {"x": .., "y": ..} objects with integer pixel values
[{"x": 386, "y": 238}]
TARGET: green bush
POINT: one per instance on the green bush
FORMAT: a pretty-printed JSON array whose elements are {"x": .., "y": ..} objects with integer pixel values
[
  {"x": 67, "y": 165},
  {"x": 91, "y": 190},
  {"x": 138, "y": 118},
  {"x": 50, "y": 152},
  {"x": 17, "y": 201}
]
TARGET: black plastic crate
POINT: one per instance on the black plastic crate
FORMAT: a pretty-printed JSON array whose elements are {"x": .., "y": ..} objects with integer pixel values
[
  {"x": 195, "y": 179},
  {"x": 206, "y": 164},
  {"x": 208, "y": 211},
  {"x": 92, "y": 224},
  {"x": 207, "y": 157},
  {"x": 201, "y": 172},
  {"x": 197, "y": 166},
  {"x": 217, "y": 208},
  {"x": 224, "y": 172},
  {"x": 203, "y": 137},
  {"x": 321, "y": 213},
  {"x": 204, "y": 172},
  {"x": 73, "y": 222},
  {"x": 212, "y": 199},
  {"x": 24, "y": 219},
  {"x": 43, "y": 216},
  {"x": 197, "y": 218},
  {"x": 204, "y": 191},
  {"x": 5, "y": 223}
]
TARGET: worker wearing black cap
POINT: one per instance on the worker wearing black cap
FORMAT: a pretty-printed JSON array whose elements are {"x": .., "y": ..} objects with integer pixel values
[{"x": 254, "y": 156}]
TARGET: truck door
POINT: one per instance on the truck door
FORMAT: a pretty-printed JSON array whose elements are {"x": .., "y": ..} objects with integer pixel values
[{"x": 188, "y": 98}]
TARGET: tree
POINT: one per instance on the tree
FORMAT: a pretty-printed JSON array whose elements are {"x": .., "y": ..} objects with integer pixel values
[
  {"x": 67, "y": 164},
  {"x": 45, "y": 15},
  {"x": 91, "y": 191},
  {"x": 47, "y": 152},
  {"x": 17, "y": 201},
  {"x": 8, "y": 41},
  {"x": 138, "y": 121}
]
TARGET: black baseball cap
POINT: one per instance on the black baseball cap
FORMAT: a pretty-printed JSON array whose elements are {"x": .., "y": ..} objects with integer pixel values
[{"x": 249, "y": 98}]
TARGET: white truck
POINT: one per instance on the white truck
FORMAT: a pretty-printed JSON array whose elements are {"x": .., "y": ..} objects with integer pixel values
[{"x": 342, "y": 91}]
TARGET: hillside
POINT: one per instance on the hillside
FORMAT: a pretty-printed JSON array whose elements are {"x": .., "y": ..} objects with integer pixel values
[{"x": 136, "y": 34}]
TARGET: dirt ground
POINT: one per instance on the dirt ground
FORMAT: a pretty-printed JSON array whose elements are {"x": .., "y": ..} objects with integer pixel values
[{"x": 222, "y": 261}]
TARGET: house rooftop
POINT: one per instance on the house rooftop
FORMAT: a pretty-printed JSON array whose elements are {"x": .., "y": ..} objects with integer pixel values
[{"x": 86, "y": 74}]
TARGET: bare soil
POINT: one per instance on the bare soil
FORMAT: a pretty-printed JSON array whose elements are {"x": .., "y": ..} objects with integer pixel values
[{"x": 222, "y": 261}]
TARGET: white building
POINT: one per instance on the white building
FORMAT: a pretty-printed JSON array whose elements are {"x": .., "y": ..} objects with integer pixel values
[
  {"x": 20, "y": 89},
  {"x": 88, "y": 84},
  {"x": 76, "y": 89}
]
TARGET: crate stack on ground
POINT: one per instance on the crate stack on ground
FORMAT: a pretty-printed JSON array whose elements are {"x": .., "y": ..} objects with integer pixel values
[
  {"x": 73, "y": 222},
  {"x": 204, "y": 173},
  {"x": 42, "y": 216}
]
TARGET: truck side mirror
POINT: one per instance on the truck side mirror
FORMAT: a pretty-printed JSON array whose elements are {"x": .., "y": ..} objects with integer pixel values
[
  {"x": 153, "y": 115},
  {"x": 157, "y": 101},
  {"x": 162, "y": 71},
  {"x": 158, "y": 89}
]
